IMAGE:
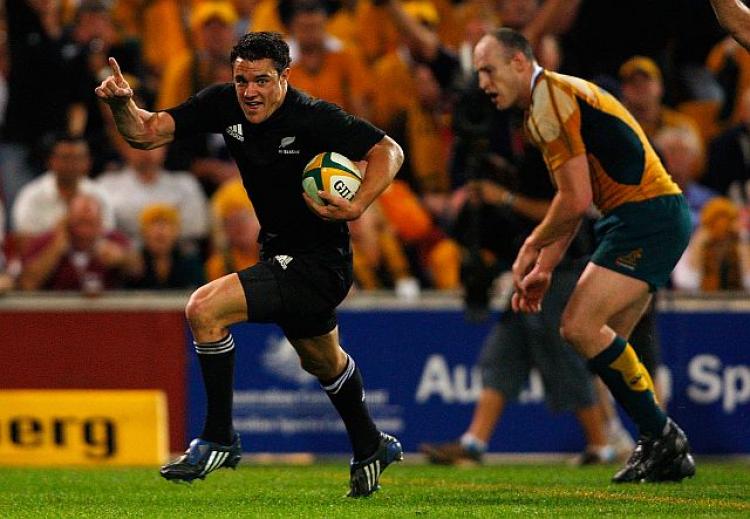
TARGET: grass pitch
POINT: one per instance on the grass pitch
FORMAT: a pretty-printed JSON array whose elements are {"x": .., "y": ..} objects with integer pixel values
[{"x": 718, "y": 490}]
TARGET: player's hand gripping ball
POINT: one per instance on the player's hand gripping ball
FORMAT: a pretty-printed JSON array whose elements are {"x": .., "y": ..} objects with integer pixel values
[{"x": 331, "y": 172}]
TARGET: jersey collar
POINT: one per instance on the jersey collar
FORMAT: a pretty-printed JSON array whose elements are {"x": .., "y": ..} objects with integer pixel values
[{"x": 537, "y": 72}]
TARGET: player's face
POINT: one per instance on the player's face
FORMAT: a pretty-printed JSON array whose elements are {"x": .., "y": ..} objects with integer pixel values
[
  {"x": 499, "y": 76},
  {"x": 260, "y": 88}
]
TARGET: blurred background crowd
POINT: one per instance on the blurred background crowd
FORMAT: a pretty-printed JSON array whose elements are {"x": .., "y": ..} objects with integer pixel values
[{"x": 83, "y": 211}]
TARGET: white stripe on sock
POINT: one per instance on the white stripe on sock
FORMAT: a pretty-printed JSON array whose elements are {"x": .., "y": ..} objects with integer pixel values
[
  {"x": 214, "y": 351},
  {"x": 335, "y": 387},
  {"x": 215, "y": 348}
]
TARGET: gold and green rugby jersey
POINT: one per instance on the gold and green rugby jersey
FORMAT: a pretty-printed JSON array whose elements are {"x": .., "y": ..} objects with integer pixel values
[{"x": 569, "y": 117}]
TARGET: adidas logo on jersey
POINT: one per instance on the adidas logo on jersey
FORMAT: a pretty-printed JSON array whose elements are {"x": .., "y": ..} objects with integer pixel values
[
  {"x": 283, "y": 260},
  {"x": 235, "y": 131}
]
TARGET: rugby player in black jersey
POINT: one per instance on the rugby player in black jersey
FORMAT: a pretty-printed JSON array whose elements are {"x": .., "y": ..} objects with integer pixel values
[{"x": 272, "y": 131}]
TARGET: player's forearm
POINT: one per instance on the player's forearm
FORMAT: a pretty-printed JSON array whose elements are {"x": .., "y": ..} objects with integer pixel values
[
  {"x": 139, "y": 127},
  {"x": 383, "y": 162},
  {"x": 562, "y": 220},
  {"x": 734, "y": 16},
  {"x": 552, "y": 254}
]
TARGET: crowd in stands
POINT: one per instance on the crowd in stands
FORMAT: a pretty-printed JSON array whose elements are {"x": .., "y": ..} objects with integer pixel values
[{"x": 81, "y": 210}]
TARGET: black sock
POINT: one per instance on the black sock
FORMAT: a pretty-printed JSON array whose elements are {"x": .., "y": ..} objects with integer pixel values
[
  {"x": 348, "y": 396},
  {"x": 217, "y": 366}
]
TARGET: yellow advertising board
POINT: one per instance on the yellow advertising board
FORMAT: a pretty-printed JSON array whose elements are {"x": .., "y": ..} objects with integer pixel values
[{"x": 83, "y": 427}]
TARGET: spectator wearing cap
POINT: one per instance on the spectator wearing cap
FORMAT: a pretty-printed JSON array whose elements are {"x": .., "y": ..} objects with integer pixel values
[
  {"x": 163, "y": 263},
  {"x": 718, "y": 256},
  {"x": 642, "y": 93},
  {"x": 205, "y": 63},
  {"x": 236, "y": 231},
  {"x": 394, "y": 74}
]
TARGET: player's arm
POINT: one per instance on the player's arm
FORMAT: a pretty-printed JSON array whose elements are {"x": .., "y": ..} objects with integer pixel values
[
  {"x": 569, "y": 205},
  {"x": 384, "y": 160},
  {"x": 734, "y": 16},
  {"x": 141, "y": 128}
]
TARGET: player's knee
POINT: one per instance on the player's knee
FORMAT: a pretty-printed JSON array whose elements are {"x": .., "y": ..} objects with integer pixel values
[
  {"x": 317, "y": 367},
  {"x": 198, "y": 310},
  {"x": 572, "y": 329}
]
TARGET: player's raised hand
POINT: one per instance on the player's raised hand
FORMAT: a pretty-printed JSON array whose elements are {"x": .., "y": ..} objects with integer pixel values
[
  {"x": 336, "y": 209},
  {"x": 114, "y": 90}
]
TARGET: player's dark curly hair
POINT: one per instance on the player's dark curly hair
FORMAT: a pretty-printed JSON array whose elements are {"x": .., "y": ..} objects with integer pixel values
[{"x": 261, "y": 45}]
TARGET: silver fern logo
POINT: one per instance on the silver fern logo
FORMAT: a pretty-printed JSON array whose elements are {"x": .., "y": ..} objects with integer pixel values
[{"x": 284, "y": 146}]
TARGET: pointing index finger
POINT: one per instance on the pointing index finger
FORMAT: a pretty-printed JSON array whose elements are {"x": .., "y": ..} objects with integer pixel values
[{"x": 116, "y": 69}]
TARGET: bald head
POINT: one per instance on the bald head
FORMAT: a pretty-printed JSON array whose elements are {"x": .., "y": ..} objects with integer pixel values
[
  {"x": 84, "y": 220},
  {"x": 505, "y": 63}
]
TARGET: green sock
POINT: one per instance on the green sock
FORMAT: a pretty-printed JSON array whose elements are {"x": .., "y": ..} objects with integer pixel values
[{"x": 631, "y": 385}]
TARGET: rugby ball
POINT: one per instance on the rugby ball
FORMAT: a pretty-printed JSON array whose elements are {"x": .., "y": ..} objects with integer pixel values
[{"x": 333, "y": 173}]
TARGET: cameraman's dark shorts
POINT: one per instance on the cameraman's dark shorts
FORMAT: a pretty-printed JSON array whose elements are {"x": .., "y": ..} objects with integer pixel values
[
  {"x": 520, "y": 342},
  {"x": 300, "y": 293}
]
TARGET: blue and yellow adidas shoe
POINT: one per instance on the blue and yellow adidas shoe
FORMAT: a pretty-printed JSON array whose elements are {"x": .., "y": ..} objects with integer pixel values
[
  {"x": 201, "y": 458},
  {"x": 365, "y": 475}
]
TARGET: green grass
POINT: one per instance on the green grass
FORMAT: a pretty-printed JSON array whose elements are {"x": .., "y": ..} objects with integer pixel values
[{"x": 719, "y": 490}]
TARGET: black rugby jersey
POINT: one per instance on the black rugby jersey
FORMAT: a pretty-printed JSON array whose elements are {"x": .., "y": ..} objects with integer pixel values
[{"x": 272, "y": 155}]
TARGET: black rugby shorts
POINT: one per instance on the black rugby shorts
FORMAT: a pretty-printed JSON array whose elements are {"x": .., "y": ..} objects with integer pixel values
[{"x": 300, "y": 293}]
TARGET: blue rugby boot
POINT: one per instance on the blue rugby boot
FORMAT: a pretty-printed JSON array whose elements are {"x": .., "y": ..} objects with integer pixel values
[
  {"x": 365, "y": 474},
  {"x": 201, "y": 458}
]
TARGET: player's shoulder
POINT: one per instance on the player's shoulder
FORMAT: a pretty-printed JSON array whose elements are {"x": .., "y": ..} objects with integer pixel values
[
  {"x": 559, "y": 92},
  {"x": 304, "y": 102},
  {"x": 312, "y": 111},
  {"x": 554, "y": 103}
]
